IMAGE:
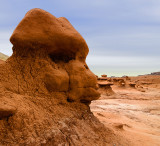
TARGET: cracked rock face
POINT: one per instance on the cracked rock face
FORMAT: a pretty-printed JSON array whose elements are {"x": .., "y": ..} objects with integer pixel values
[
  {"x": 62, "y": 51},
  {"x": 46, "y": 86}
]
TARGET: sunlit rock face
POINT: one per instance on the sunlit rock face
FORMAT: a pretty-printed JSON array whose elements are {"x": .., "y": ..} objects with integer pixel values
[
  {"x": 46, "y": 86},
  {"x": 61, "y": 49},
  {"x": 40, "y": 29}
]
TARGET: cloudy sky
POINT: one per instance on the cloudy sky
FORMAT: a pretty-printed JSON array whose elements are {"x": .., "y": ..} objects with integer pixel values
[{"x": 123, "y": 35}]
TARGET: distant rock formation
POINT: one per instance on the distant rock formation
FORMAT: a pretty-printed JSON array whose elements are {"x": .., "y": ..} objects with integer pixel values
[
  {"x": 155, "y": 73},
  {"x": 103, "y": 75},
  {"x": 105, "y": 88},
  {"x": 132, "y": 84},
  {"x": 103, "y": 78},
  {"x": 119, "y": 82},
  {"x": 127, "y": 78},
  {"x": 46, "y": 86},
  {"x": 3, "y": 57},
  {"x": 104, "y": 85}
]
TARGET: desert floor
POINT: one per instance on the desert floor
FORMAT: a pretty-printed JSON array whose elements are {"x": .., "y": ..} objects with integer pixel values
[{"x": 133, "y": 115}]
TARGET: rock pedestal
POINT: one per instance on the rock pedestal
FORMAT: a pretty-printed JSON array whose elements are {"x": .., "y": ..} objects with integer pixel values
[{"x": 105, "y": 88}]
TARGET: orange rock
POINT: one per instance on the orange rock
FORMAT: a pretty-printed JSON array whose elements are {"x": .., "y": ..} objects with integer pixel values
[
  {"x": 131, "y": 84},
  {"x": 105, "y": 88},
  {"x": 40, "y": 29},
  {"x": 51, "y": 85},
  {"x": 103, "y": 75}
]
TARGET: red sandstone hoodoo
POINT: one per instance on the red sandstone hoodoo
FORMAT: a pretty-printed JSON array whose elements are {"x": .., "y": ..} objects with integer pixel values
[
  {"x": 46, "y": 86},
  {"x": 105, "y": 88}
]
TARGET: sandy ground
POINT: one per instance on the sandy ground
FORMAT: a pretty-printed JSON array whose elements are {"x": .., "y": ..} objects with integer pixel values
[{"x": 134, "y": 116}]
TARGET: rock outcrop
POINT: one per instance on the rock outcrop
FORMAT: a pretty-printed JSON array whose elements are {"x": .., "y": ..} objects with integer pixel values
[
  {"x": 105, "y": 88},
  {"x": 132, "y": 84},
  {"x": 119, "y": 82},
  {"x": 104, "y": 75},
  {"x": 46, "y": 86},
  {"x": 155, "y": 73},
  {"x": 103, "y": 78}
]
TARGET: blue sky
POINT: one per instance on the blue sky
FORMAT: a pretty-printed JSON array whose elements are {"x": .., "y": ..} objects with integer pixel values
[{"x": 123, "y": 35}]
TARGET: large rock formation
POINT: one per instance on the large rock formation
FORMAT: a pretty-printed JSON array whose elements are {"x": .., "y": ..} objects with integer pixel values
[{"x": 46, "y": 86}]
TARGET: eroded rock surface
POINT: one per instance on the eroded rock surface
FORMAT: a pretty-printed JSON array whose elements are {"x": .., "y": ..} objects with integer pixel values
[
  {"x": 50, "y": 85},
  {"x": 134, "y": 115},
  {"x": 105, "y": 88}
]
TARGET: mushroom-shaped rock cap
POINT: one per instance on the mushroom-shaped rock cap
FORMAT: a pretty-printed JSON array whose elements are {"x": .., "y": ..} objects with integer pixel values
[
  {"x": 103, "y": 75},
  {"x": 105, "y": 83},
  {"x": 40, "y": 29}
]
